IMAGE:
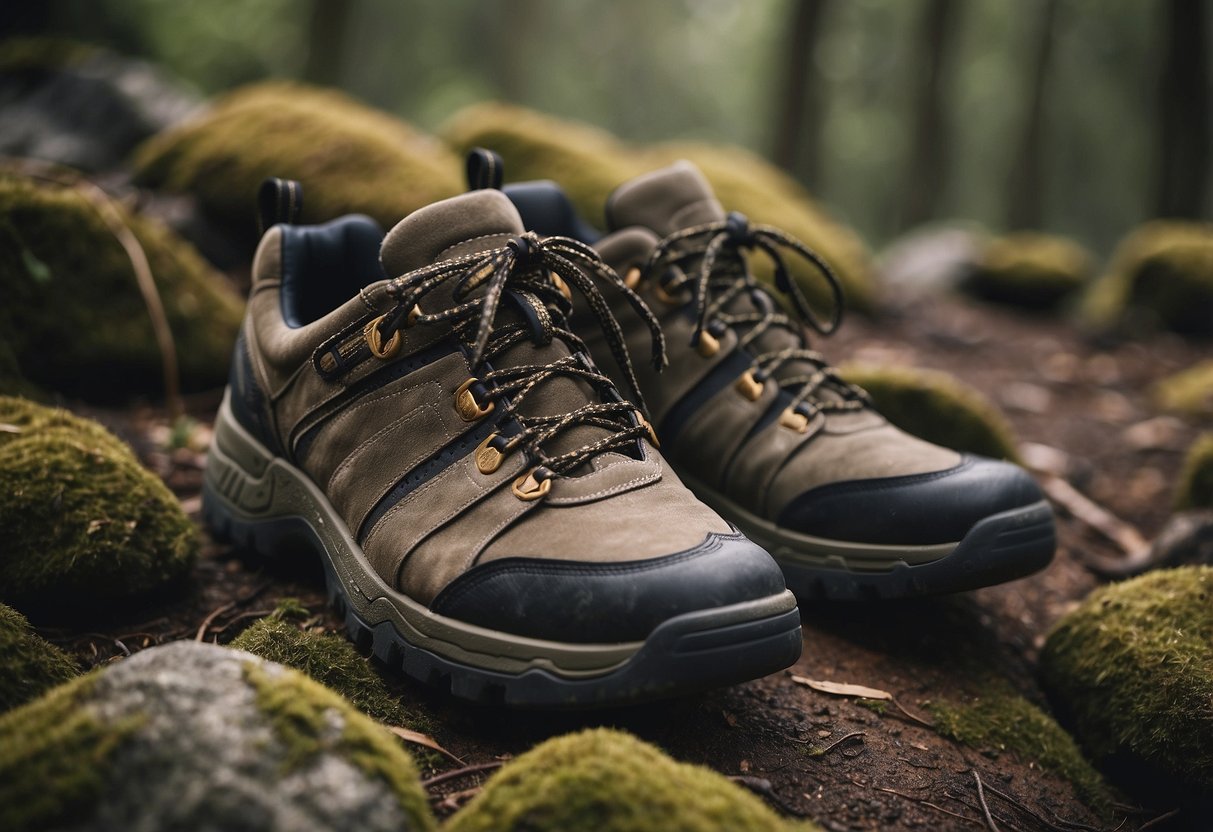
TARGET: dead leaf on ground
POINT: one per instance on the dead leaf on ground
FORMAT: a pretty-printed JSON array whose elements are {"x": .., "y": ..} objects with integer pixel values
[
  {"x": 842, "y": 688},
  {"x": 418, "y": 738}
]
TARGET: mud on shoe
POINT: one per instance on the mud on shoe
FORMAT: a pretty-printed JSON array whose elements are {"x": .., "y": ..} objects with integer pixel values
[
  {"x": 763, "y": 429},
  {"x": 490, "y": 511}
]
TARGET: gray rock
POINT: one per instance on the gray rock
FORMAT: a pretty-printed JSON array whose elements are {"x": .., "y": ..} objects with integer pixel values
[
  {"x": 932, "y": 258},
  {"x": 206, "y": 756}
]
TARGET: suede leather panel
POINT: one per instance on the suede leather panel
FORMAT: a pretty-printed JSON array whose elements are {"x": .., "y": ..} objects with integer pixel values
[
  {"x": 755, "y": 468},
  {"x": 712, "y": 437}
]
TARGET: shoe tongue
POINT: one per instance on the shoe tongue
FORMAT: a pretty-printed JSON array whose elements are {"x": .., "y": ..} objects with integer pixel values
[
  {"x": 464, "y": 224},
  {"x": 665, "y": 200}
]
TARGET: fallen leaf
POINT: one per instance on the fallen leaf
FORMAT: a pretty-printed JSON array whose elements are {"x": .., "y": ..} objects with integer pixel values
[
  {"x": 418, "y": 738},
  {"x": 842, "y": 688},
  {"x": 7, "y": 428}
]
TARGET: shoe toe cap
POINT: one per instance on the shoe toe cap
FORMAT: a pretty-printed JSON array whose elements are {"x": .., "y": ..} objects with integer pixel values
[
  {"x": 921, "y": 509},
  {"x": 595, "y": 602}
]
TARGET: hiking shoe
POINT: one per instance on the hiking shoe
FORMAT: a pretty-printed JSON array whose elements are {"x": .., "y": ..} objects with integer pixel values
[
  {"x": 762, "y": 429},
  {"x": 488, "y": 508}
]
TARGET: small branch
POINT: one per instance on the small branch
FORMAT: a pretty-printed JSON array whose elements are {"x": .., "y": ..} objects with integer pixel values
[
  {"x": 840, "y": 741},
  {"x": 1082, "y": 508},
  {"x": 461, "y": 772},
  {"x": 981, "y": 796},
  {"x": 1156, "y": 821},
  {"x": 206, "y": 622},
  {"x": 923, "y": 802}
]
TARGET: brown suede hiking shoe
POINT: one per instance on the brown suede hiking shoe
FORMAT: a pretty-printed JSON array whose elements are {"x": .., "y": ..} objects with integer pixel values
[
  {"x": 488, "y": 509},
  {"x": 763, "y": 430}
]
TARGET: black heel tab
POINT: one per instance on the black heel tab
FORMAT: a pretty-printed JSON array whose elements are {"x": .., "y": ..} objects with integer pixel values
[
  {"x": 485, "y": 170},
  {"x": 278, "y": 201}
]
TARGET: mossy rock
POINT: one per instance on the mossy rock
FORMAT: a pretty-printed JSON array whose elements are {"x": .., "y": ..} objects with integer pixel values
[
  {"x": 191, "y": 736},
  {"x": 349, "y": 157},
  {"x": 937, "y": 407},
  {"x": 609, "y": 781},
  {"x": 1189, "y": 392},
  {"x": 83, "y": 523},
  {"x": 73, "y": 319},
  {"x": 997, "y": 719},
  {"x": 1196, "y": 479},
  {"x": 43, "y": 53},
  {"x": 29, "y": 664},
  {"x": 590, "y": 163},
  {"x": 1030, "y": 269},
  {"x": 1161, "y": 276},
  {"x": 1132, "y": 669},
  {"x": 333, "y": 662}
]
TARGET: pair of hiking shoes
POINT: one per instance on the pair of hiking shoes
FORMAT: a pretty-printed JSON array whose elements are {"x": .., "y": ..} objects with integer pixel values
[{"x": 462, "y": 418}]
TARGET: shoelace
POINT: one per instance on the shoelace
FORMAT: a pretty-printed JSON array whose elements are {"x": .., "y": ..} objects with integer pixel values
[
  {"x": 723, "y": 276},
  {"x": 522, "y": 266}
]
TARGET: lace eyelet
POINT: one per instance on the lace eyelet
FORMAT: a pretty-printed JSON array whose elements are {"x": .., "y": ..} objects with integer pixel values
[
  {"x": 559, "y": 283},
  {"x": 649, "y": 427},
  {"x": 665, "y": 297},
  {"x": 708, "y": 344},
  {"x": 374, "y": 339},
  {"x": 794, "y": 420},
  {"x": 466, "y": 406},
  {"x": 632, "y": 278},
  {"x": 749, "y": 386},
  {"x": 529, "y": 487},
  {"x": 488, "y": 457}
]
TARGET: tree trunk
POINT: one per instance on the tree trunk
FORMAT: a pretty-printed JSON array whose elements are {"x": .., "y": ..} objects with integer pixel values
[
  {"x": 326, "y": 38},
  {"x": 1026, "y": 182},
  {"x": 1183, "y": 112},
  {"x": 797, "y": 145},
  {"x": 926, "y": 176}
]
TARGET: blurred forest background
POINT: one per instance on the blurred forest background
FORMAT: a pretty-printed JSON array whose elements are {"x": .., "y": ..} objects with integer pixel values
[{"x": 1083, "y": 117}]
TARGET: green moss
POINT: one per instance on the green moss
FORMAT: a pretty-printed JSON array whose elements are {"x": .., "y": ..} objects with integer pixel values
[
  {"x": 29, "y": 664},
  {"x": 590, "y": 163},
  {"x": 73, "y": 318},
  {"x": 937, "y": 407},
  {"x": 1132, "y": 668},
  {"x": 609, "y": 781},
  {"x": 998, "y": 719},
  {"x": 299, "y": 710},
  {"x": 35, "y": 53},
  {"x": 53, "y": 758},
  {"x": 82, "y": 522},
  {"x": 1161, "y": 275},
  {"x": 1030, "y": 269},
  {"x": 332, "y": 661},
  {"x": 349, "y": 157},
  {"x": 1189, "y": 392},
  {"x": 1196, "y": 479}
]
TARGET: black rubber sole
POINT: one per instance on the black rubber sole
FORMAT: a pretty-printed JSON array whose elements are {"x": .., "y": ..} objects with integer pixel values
[
  {"x": 683, "y": 655},
  {"x": 1000, "y": 548}
]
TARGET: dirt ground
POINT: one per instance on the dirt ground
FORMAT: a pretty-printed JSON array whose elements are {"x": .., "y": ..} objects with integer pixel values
[{"x": 807, "y": 753}]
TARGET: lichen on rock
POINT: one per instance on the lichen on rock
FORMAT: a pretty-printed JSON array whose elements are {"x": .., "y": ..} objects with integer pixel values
[
  {"x": 29, "y": 664},
  {"x": 1195, "y": 488},
  {"x": 1189, "y": 391},
  {"x": 83, "y": 523},
  {"x": 332, "y": 661},
  {"x": 938, "y": 407},
  {"x": 349, "y": 157},
  {"x": 1030, "y": 269},
  {"x": 589, "y": 163},
  {"x": 609, "y": 781},
  {"x": 198, "y": 736},
  {"x": 1160, "y": 276},
  {"x": 74, "y": 320},
  {"x": 1132, "y": 670}
]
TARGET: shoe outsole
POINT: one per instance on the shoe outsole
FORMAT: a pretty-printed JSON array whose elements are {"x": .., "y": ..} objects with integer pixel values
[
  {"x": 1002, "y": 547},
  {"x": 686, "y": 654}
]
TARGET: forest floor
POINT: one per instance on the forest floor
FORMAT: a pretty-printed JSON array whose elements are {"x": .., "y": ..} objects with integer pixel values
[{"x": 808, "y": 753}]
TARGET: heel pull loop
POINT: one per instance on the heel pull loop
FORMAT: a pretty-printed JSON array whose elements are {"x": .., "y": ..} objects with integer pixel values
[
  {"x": 485, "y": 170},
  {"x": 278, "y": 201}
]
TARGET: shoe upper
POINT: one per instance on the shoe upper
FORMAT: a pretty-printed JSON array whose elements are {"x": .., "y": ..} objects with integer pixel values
[
  {"x": 747, "y": 409},
  {"x": 430, "y": 386}
]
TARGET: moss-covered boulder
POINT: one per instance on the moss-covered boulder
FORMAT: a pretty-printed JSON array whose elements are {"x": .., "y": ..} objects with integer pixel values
[
  {"x": 73, "y": 319},
  {"x": 1196, "y": 479},
  {"x": 332, "y": 661},
  {"x": 609, "y": 781},
  {"x": 590, "y": 163},
  {"x": 192, "y": 736},
  {"x": 996, "y": 718},
  {"x": 1161, "y": 276},
  {"x": 1029, "y": 269},
  {"x": 82, "y": 522},
  {"x": 937, "y": 407},
  {"x": 29, "y": 664},
  {"x": 1189, "y": 391},
  {"x": 1132, "y": 669},
  {"x": 350, "y": 158}
]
